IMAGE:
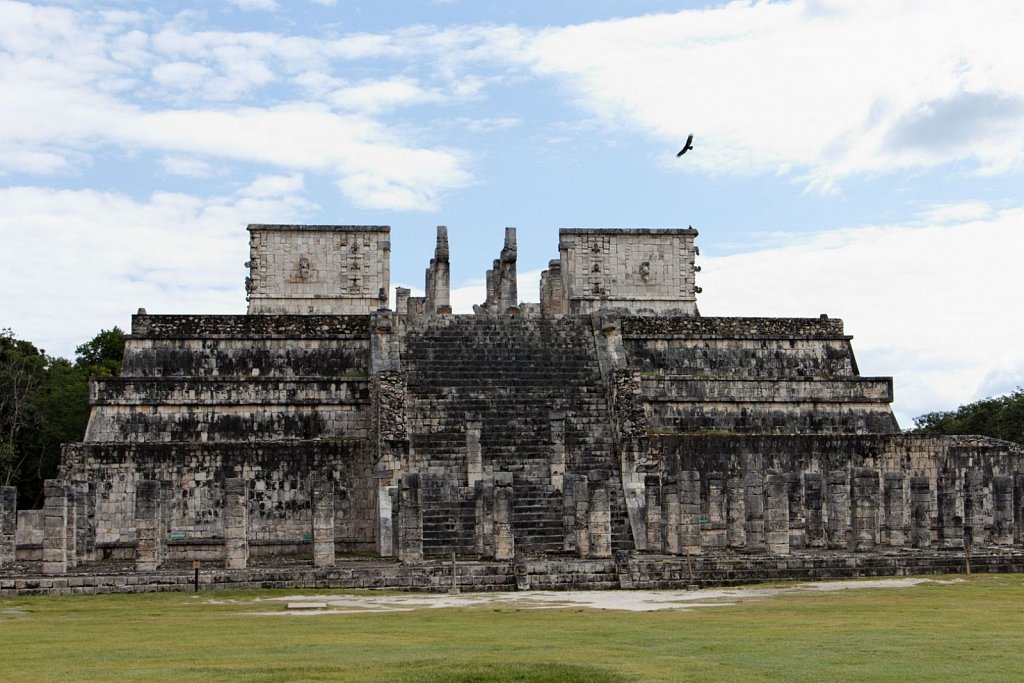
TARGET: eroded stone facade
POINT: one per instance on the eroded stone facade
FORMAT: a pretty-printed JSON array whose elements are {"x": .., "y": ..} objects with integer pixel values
[{"x": 610, "y": 423}]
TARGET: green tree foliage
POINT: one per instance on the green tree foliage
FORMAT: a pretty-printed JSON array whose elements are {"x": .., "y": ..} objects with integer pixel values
[
  {"x": 1001, "y": 417},
  {"x": 44, "y": 402}
]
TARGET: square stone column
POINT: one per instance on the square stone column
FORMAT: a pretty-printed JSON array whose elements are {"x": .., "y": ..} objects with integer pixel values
[
  {"x": 753, "y": 484},
  {"x": 1002, "y": 510},
  {"x": 55, "y": 527},
  {"x": 714, "y": 535},
  {"x": 776, "y": 514},
  {"x": 865, "y": 509},
  {"x": 236, "y": 523},
  {"x": 600, "y": 519},
  {"x": 148, "y": 525},
  {"x": 975, "y": 532},
  {"x": 838, "y": 508},
  {"x": 576, "y": 514},
  {"x": 951, "y": 520},
  {"x": 797, "y": 515},
  {"x": 814, "y": 526},
  {"x": 736, "y": 510},
  {"x": 410, "y": 519},
  {"x": 671, "y": 514},
  {"x": 689, "y": 512},
  {"x": 920, "y": 512},
  {"x": 652, "y": 499},
  {"x": 895, "y": 509},
  {"x": 8, "y": 523},
  {"x": 504, "y": 539},
  {"x": 322, "y": 502}
]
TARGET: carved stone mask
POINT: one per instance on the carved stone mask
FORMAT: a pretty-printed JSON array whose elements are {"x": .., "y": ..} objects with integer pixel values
[{"x": 303, "y": 267}]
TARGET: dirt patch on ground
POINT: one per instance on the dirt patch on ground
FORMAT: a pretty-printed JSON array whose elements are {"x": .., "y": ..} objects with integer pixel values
[{"x": 630, "y": 601}]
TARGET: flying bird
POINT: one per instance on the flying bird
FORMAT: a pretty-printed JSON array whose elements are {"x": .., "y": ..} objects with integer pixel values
[{"x": 687, "y": 147}]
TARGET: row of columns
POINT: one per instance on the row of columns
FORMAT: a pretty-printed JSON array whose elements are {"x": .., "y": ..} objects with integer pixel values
[
  {"x": 775, "y": 511},
  {"x": 64, "y": 535}
]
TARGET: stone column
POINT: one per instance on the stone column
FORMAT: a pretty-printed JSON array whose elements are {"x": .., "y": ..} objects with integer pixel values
[
  {"x": 797, "y": 518},
  {"x": 71, "y": 533},
  {"x": 814, "y": 526},
  {"x": 652, "y": 499},
  {"x": 920, "y": 512},
  {"x": 753, "y": 484},
  {"x": 385, "y": 519},
  {"x": 689, "y": 512},
  {"x": 483, "y": 493},
  {"x": 474, "y": 454},
  {"x": 166, "y": 516},
  {"x": 776, "y": 514},
  {"x": 322, "y": 501},
  {"x": 1018, "y": 509},
  {"x": 671, "y": 514},
  {"x": 236, "y": 524},
  {"x": 714, "y": 534},
  {"x": 557, "y": 462},
  {"x": 581, "y": 515},
  {"x": 410, "y": 519},
  {"x": 8, "y": 524},
  {"x": 55, "y": 527},
  {"x": 600, "y": 519},
  {"x": 147, "y": 525},
  {"x": 838, "y": 507},
  {"x": 1002, "y": 510},
  {"x": 736, "y": 511},
  {"x": 504, "y": 539},
  {"x": 974, "y": 503},
  {"x": 895, "y": 510},
  {"x": 865, "y": 509},
  {"x": 951, "y": 522}
]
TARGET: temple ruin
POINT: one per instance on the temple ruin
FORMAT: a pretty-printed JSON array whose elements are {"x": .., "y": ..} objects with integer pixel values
[{"x": 608, "y": 435}]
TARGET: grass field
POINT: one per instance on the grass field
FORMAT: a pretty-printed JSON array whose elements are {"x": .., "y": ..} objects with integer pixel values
[{"x": 971, "y": 630}]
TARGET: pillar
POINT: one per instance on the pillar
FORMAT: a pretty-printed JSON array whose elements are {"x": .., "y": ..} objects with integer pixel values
[
  {"x": 671, "y": 514},
  {"x": 236, "y": 524},
  {"x": 652, "y": 512},
  {"x": 865, "y": 509},
  {"x": 410, "y": 518},
  {"x": 797, "y": 518},
  {"x": 577, "y": 501},
  {"x": 483, "y": 532},
  {"x": 1018, "y": 509},
  {"x": 600, "y": 518},
  {"x": 951, "y": 522},
  {"x": 322, "y": 501},
  {"x": 753, "y": 484},
  {"x": 837, "y": 499},
  {"x": 1002, "y": 510},
  {"x": 894, "y": 509},
  {"x": 557, "y": 460},
  {"x": 920, "y": 512},
  {"x": 974, "y": 503},
  {"x": 474, "y": 455},
  {"x": 736, "y": 511},
  {"x": 148, "y": 525},
  {"x": 776, "y": 514},
  {"x": 8, "y": 524},
  {"x": 71, "y": 533},
  {"x": 814, "y": 527},
  {"x": 715, "y": 534},
  {"x": 55, "y": 527},
  {"x": 504, "y": 539},
  {"x": 689, "y": 512}
]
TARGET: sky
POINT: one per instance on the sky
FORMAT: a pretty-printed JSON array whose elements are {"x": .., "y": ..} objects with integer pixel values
[{"x": 863, "y": 159}]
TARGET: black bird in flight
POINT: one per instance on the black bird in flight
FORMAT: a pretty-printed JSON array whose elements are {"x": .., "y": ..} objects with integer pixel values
[{"x": 687, "y": 147}]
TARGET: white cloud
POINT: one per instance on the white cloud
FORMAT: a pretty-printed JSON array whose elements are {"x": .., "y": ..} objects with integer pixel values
[
  {"x": 936, "y": 306},
  {"x": 818, "y": 90},
  {"x": 187, "y": 166},
  {"x": 273, "y": 186},
  {"x": 171, "y": 253},
  {"x": 265, "y": 5}
]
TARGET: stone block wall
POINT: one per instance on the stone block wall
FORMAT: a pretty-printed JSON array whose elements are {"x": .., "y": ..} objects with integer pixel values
[
  {"x": 637, "y": 270},
  {"x": 318, "y": 269}
]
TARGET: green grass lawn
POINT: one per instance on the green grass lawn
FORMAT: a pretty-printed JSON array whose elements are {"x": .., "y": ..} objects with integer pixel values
[{"x": 965, "y": 631}]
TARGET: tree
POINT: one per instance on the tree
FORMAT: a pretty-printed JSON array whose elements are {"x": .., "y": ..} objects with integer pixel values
[
  {"x": 22, "y": 366},
  {"x": 101, "y": 355},
  {"x": 1001, "y": 417}
]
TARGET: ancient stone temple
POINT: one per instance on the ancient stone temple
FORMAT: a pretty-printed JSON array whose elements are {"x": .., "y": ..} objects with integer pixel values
[{"x": 609, "y": 435}]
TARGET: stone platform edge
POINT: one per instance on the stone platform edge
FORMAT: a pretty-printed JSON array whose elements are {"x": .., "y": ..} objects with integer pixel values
[{"x": 625, "y": 571}]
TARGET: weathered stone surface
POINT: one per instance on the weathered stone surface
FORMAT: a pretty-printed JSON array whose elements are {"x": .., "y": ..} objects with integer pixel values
[{"x": 8, "y": 523}]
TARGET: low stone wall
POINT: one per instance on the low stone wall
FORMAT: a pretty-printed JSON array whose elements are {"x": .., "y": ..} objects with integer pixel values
[{"x": 626, "y": 571}]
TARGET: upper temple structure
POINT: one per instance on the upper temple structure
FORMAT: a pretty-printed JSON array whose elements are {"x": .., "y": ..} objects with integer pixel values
[{"x": 590, "y": 439}]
